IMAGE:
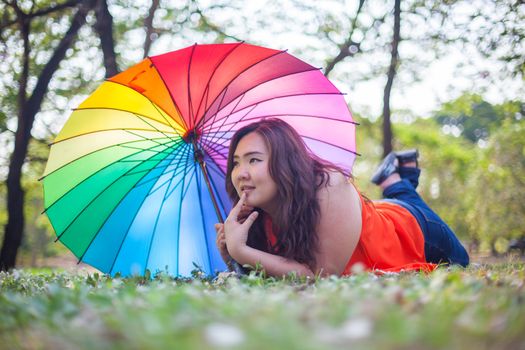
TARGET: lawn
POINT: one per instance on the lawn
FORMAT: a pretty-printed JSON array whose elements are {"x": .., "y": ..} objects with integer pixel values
[{"x": 481, "y": 307}]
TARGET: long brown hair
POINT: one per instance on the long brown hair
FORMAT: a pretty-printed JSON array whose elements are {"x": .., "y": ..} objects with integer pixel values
[{"x": 298, "y": 174}]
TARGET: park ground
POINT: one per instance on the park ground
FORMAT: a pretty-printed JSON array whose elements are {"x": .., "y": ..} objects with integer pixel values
[{"x": 74, "y": 307}]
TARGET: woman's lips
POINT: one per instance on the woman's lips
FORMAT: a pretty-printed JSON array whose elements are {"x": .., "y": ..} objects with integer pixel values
[{"x": 247, "y": 189}]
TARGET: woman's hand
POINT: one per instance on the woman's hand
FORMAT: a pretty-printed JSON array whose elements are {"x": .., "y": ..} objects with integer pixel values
[
  {"x": 244, "y": 213},
  {"x": 221, "y": 243},
  {"x": 237, "y": 225}
]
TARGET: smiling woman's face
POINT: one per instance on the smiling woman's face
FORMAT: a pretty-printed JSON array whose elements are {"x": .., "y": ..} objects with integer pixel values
[{"x": 250, "y": 173}]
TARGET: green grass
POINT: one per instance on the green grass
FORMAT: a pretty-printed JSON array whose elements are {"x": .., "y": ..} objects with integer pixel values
[{"x": 481, "y": 307}]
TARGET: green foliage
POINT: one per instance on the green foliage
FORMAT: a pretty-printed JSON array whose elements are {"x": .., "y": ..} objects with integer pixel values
[
  {"x": 470, "y": 116},
  {"x": 479, "y": 307},
  {"x": 499, "y": 185}
]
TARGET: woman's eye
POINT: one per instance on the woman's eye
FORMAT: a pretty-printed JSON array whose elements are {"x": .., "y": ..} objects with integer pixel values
[
  {"x": 254, "y": 160},
  {"x": 235, "y": 164}
]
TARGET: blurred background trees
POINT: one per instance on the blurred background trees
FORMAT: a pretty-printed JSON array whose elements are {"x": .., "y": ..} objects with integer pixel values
[{"x": 472, "y": 149}]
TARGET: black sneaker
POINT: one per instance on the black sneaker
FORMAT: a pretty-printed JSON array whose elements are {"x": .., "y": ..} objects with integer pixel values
[
  {"x": 385, "y": 169},
  {"x": 407, "y": 156}
]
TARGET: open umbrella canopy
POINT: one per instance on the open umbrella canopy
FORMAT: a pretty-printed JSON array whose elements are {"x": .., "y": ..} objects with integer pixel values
[{"x": 135, "y": 179}]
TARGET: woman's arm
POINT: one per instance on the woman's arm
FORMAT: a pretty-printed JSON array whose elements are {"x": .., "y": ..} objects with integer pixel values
[
  {"x": 236, "y": 233},
  {"x": 273, "y": 265}
]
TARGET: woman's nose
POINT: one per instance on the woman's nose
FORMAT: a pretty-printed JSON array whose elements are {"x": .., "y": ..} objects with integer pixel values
[{"x": 242, "y": 173}]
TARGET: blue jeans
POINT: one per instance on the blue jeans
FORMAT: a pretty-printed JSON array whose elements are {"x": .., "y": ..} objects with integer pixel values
[{"x": 441, "y": 244}]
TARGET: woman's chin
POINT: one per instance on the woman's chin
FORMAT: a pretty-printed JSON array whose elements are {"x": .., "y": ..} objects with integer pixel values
[{"x": 248, "y": 202}]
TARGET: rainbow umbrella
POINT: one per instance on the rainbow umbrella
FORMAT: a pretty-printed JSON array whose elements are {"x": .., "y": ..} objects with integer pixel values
[{"x": 135, "y": 179}]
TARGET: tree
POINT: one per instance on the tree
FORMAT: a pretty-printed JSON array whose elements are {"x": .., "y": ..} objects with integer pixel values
[
  {"x": 104, "y": 28},
  {"x": 394, "y": 57},
  {"x": 474, "y": 118},
  {"x": 28, "y": 106}
]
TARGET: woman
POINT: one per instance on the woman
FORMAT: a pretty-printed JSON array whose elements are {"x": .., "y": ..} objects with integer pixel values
[{"x": 295, "y": 212}]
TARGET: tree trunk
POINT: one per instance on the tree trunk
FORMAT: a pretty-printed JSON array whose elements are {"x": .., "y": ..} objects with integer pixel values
[
  {"x": 148, "y": 26},
  {"x": 28, "y": 109},
  {"x": 104, "y": 28},
  {"x": 394, "y": 60},
  {"x": 349, "y": 47}
]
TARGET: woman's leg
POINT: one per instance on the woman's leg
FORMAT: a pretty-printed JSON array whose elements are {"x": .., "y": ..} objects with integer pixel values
[
  {"x": 441, "y": 244},
  {"x": 411, "y": 174},
  {"x": 408, "y": 166}
]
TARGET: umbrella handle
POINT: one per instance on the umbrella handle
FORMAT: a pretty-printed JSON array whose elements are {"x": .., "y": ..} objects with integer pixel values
[{"x": 234, "y": 266}]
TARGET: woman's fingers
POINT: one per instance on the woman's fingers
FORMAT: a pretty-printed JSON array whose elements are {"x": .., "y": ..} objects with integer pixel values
[
  {"x": 243, "y": 214},
  {"x": 234, "y": 213},
  {"x": 251, "y": 219}
]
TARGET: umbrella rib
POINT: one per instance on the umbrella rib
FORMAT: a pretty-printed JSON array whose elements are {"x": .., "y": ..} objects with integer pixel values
[
  {"x": 243, "y": 71},
  {"x": 232, "y": 125},
  {"x": 153, "y": 140},
  {"x": 271, "y": 99},
  {"x": 131, "y": 155},
  {"x": 331, "y": 144},
  {"x": 199, "y": 193},
  {"x": 224, "y": 119},
  {"x": 185, "y": 126},
  {"x": 127, "y": 111},
  {"x": 124, "y": 145},
  {"x": 125, "y": 235},
  {"x": 184, "y": 169},
  {"x": 207, "y": 90},
  {"x": 306, "y": 137},
  {"x": 107, "y": 218},
  {"x": 213, "y": 150},
  {"x": 299, "y": 115},
  {"x": 104, "y": 130},
  {"x": 146, "y": 97},
  {"x": 175, "y": 142},
  {"x": 214, "y": 117},
  {"x": 159, "y": 212},
  {"x": 176, "y": 171},
  {"x": 182, "y": 181},
  {"x": 312, "y": 69},
  {"x": 190, "y": 105},
  {"x": 120, "y": 247},
  {"x": 191, "y": 177},
  {"x": 215, "y": 188},
  {"x": 85, "y": 207},
  {"x": 158, "y": 108},
  {"x": 153, "y": 178},
  {"x": 244, "y": 119},
  {"x": 156, "y": 129},
  {"x": 139, "y": 116}
]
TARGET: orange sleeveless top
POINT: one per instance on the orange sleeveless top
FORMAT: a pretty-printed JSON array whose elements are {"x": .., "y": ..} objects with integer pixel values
[{"x": 391, "y": 240}]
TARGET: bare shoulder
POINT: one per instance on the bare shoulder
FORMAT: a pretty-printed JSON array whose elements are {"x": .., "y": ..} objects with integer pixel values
[
  {"x": 340, "y": 223},
  {"x": 337, "y": 185}
]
